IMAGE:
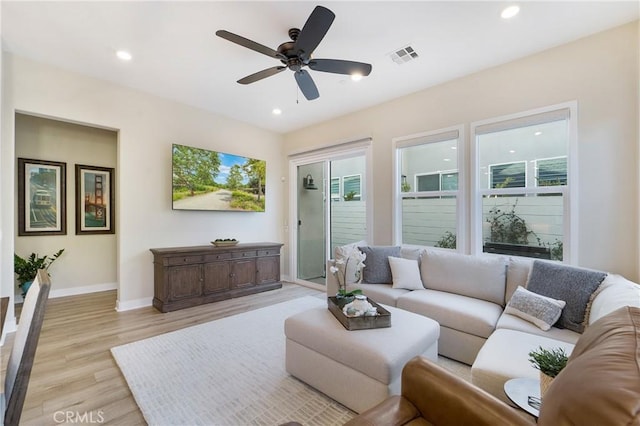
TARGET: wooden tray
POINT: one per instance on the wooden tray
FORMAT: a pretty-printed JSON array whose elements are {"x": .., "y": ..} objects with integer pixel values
[{"x": 383, "y": 319}]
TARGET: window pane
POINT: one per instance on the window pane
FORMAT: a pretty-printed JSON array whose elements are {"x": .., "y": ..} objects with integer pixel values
[
  {"x": 429, "y": 221},
  {"x": 449, "y": 182},
  {"x": 509, "y": 158},
  {"x": 511, "y": 175},
  {"x": 335, "y": 188},
  {"x": 428, "y": 182},
  {"x": 530, "y": 226},
  {"x": 351, "y": 187},
  {"x": 552, "y": 172}
]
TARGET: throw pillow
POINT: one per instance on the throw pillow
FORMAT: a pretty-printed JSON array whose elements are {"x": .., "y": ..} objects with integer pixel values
[
  {"x": 377, "y": 269},
  {"x": 573, "y": 285},
  {"x": 537, "y": 309},
  {"x": 405, "y": 273},
  {"x": 345, "y": 252}
]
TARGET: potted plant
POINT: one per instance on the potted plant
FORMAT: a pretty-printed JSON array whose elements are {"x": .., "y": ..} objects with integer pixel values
[
  {"x": 27, "y": 269},
  {"x": 550, "y": 362}
]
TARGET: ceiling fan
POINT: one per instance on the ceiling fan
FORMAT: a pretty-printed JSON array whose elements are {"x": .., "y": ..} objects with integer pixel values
[{"x": 296, "y": 54}]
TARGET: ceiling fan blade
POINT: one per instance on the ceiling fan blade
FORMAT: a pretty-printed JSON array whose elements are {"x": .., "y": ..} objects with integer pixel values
[
  {"x": 261, "y": 74},
  {"x": 306, "y": 85},
  {"x": 338, "y": 66},
  {"x": 313, "y": 31},
  {"x": 249, "y": 44}
]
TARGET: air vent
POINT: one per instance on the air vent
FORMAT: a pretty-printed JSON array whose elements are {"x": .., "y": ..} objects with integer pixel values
[{"x": 403, "y": 55}]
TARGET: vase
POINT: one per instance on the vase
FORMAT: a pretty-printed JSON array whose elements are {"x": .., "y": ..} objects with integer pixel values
[
  {"x": 25, "y": 287},
  {"x": 545, "y": 382}
]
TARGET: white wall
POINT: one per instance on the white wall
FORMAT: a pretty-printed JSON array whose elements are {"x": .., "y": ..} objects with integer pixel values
[
  {"x": 147, "y": 126},
  {"x": 599, "y": 72}
]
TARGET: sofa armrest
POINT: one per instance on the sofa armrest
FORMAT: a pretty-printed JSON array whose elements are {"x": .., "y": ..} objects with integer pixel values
[
  {"x": 332, "y": 281},
  {"x": 393, "y": 411},
  {"x": 444, "y": 398}
]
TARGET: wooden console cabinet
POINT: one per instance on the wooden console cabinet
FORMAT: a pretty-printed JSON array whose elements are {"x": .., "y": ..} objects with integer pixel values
[{"x": 190, "y": 276}]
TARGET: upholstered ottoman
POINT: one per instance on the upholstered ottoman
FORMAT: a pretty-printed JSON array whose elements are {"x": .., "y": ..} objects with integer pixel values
[
  {"x": 505, "y": 356},
  {"x": 357, "y": 368}
]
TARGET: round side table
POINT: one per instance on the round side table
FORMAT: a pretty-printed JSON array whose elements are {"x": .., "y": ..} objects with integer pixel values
[{"x": 525, "y": 393}]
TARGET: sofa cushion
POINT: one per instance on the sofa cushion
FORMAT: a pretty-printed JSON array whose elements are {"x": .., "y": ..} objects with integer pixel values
[
  {"x": 537, "y": 309},
  {"x": 377, "y": 269},
  {"x": 601, "y": 383},
  {"x": 573, "y": 285},
  {"x": 505, "y": 355},
  {"x": 479, "y": 277},
  {"x": 379, "y": 293},
  {"x": 614, "y": 293},
  {"x": 462, "y": 313},
  {"x": 345, "y": 252},
  {"x": 512, "y": 322},
  {"x": 405, "y": 273}
]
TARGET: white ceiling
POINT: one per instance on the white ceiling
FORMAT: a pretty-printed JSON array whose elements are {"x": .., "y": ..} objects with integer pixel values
[{"x": 177, "y": 56}]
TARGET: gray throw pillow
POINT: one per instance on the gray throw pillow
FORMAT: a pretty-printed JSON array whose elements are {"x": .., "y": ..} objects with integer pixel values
[
  {"x": 377, "y": 269},
  {"x": 562, "y": 282},
  {"x": 540, "y": 310}
]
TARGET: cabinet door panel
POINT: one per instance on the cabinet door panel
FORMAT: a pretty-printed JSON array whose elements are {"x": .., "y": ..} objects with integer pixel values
[
  {"x": 268, "y": 269},
  {"x": 243, "y": 273},
  {"x": 185, "y": 281},
  {"x": 216, "y": 277}
]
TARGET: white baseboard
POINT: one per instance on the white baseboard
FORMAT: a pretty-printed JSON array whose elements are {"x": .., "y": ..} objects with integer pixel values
[
  {"x": 133, "y": 304},
  {"x": 74, "y": 291}
]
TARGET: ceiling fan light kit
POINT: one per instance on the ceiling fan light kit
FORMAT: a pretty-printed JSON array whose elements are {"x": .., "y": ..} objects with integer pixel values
[{"x": 296, "y": 54}]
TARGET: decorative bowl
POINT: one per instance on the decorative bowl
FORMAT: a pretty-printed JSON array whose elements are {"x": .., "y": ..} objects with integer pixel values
[{"x": 224, "y": 243}]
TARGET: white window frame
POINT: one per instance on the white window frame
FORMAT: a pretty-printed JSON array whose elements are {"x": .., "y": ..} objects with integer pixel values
[
  {"x": 569, "y": 192},
  {"x": 359, "y": 193},
  {"x": 417, "y": 175},
  {"x": 440, "y": 135}
]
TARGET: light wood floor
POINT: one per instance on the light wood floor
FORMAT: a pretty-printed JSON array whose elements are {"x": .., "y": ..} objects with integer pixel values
[{"x": 74, "y": 371}]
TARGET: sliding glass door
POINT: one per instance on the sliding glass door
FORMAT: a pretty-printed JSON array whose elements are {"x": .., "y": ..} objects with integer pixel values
[{"x": 329, "y": 204}]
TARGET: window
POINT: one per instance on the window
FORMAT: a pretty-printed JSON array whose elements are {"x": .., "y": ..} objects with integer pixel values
[
  {"x": 517, "y": 198},
  {"x": 510, "y": 175},
  {"x": 427, "y": 189},
  {"x": 351, "y": 188},
  {"x": 551, "y": 171},
  {"x": 523, "y": 185},
  {"x": 335, "y": 189}
]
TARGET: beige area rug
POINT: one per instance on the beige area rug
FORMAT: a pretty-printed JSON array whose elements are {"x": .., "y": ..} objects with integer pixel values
[{"x": 228, "y": 372}]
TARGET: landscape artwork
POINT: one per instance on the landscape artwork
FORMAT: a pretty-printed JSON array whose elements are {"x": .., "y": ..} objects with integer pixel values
[
  {"x": 94, "y": 200},
  {"x": 210, "y": 180},
  {"x": 41, "y": 197}
]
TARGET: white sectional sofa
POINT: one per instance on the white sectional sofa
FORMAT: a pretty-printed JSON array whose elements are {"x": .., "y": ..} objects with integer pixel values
[{"x": 467, "y": 296}]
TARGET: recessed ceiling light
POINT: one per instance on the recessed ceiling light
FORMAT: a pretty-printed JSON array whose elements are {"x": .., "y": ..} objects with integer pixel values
[
  {"x": 538, "y": 133},
  {"x": 454, "y": 147},
  {"x": 511, "y": 151},
  {"x": 510, "y": 12},
  {"x": 446, "y": 159},
  {"x": 124, "y": 55},
  {"x": 356, "y": 77},
  {"x": 276, "y": 111}
]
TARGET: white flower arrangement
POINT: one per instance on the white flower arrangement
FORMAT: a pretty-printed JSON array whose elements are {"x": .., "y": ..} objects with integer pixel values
[{"x": 339, "y": 270}]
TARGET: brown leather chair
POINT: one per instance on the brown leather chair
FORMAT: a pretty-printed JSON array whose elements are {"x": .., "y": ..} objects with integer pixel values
[
  {"x": 599, "y": 386},
  {"x": 24, "y": 349},
  {"x": 432, "y": 395}
]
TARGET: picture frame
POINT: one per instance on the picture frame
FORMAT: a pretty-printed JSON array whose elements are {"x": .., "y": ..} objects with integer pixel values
[
  {"x": 42, "y": 197},
  {"x": 95, "y": 200}
]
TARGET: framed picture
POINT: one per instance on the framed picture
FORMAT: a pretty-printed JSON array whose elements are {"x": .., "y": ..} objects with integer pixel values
[
  {"x": 42, "y": 197},
  {"x": 94, "y": 200}
]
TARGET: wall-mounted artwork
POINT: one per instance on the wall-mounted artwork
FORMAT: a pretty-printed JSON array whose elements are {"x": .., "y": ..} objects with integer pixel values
[
  {"x": 210, "y": 180},
  {"x": 42, "y": 197},
  {"x": 94, "y": 200}
]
